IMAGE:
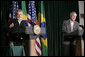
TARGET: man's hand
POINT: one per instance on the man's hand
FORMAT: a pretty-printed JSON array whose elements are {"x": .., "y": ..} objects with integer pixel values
[{"x": 11, "y": 25}]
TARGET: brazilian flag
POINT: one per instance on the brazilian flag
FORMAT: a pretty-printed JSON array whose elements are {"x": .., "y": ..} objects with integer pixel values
[
  {"x": 23, "y": 7},
  {"x": 42, "y": 23}
]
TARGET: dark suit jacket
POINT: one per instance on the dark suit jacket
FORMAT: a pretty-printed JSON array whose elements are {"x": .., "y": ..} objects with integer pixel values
[{"x": 18, "y": 30}]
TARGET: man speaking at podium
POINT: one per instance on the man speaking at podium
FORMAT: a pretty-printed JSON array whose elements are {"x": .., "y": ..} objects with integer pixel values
[
  {"x": 20, "y": 30},
  {"x": 17, "y": 35},
  {"x": 70, "y": 28},
  {"x": 17, "y": 27}
]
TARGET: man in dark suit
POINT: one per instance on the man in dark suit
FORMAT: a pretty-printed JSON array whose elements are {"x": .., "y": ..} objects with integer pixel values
[
  {"x": 70, "y": 28},
  {"x": 17, "y": 27}
]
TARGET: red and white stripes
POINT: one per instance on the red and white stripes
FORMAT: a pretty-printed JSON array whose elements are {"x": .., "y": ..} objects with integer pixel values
[{"x": 38, "y": 46}]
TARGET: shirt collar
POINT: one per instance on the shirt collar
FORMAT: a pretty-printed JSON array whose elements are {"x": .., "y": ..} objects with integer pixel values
[{"x": 72, "y": 21}]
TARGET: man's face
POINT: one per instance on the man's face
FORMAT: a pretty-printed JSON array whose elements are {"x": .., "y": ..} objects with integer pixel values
[
  {"x": 19, "y": 15},
  {"x": 73, "y": 17}
]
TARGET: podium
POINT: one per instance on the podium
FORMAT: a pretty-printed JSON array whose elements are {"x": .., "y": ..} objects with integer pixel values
[
  {"x": 32, "y": 38},
  {"x": 79, "y": 45}
]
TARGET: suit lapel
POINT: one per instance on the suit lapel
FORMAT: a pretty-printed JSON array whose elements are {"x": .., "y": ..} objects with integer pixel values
[
  {"x": 74, "y": 26},
  {"x": 17, "y": 22},
  {"x": 21, "y": 23},
  {"x": 69, "y": 26}
]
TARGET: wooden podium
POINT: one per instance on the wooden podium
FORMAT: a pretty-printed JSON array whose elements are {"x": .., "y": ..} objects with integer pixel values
[
  {"x": 33, "y": 36},
  {"x": 79, "y": 47},
  {"x": 32, "y": 47}
]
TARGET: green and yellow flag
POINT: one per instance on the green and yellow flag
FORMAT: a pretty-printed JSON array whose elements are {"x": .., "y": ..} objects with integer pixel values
[
  {"x": 23, "y": 7},
  {"x": 42, "y": 22}
]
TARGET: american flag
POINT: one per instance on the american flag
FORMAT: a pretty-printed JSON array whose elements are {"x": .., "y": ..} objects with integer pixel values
[
  {"x": 29, "y": 13},
  {"x": 15, "y": 8},
  {"x": 33, "y": 17}
]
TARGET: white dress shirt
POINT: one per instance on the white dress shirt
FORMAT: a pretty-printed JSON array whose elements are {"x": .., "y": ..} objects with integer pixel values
[
  {"x": 19, "y": 21},
  {"x": 72, "y": 24}
]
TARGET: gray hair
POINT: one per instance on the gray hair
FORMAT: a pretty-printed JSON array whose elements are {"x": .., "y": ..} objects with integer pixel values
[{"x": 73, "y": 12}]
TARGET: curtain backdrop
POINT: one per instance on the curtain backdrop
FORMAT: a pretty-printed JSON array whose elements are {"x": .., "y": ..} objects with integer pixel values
[
  {"x": 56, "y": 12},
  {"x": 3, "y": 23}
]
